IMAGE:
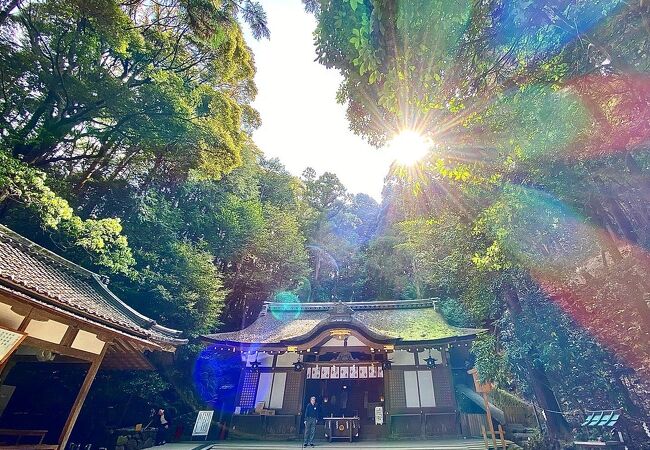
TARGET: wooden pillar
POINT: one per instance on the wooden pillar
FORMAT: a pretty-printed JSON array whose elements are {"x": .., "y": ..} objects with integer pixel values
[
  {"x": 81, "y": 397},
  {"x": 387, "y": 402},
  {"x": 484, "y": 390},
  {"x": 503, "y": 438},
  {"x": 488, "y": 415}
]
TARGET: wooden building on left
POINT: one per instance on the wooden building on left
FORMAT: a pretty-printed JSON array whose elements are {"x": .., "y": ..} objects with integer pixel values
[{"x": 54, "y": 311}]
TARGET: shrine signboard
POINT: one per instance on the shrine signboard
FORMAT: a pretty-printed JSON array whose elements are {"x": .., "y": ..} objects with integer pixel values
[
  {"x": 202, "y": 424},
  {"x": 9, "y": 342}
]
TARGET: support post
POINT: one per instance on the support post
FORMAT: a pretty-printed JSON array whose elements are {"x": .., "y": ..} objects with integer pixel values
[
  {"x": 81, "y": 397},
  {"x": 484, "y": 389},
  {"x": 502, "y": 436},
  {"x": 485, "y": 439},
  {"x": 488, "y": 414}
]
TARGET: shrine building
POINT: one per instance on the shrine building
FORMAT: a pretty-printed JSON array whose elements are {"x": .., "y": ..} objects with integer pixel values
[
  {"x": 57, "y": 315},
  {"x": 378, "y": 369}
]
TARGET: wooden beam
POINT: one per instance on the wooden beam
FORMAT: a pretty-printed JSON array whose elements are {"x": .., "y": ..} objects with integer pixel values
[
  {"x": 70, "y": 335},
  {"x": 81, "y": 398},
  {"x": 63, "y": 350},
  {"x": 503, "y": 439},
  {"x": 72, "y": 318},
  {"x": 26, "y": 320},
  {"x": 485, "y": 439}
]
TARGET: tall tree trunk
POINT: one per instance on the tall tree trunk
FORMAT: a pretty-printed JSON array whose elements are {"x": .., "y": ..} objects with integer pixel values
[
  {"x": 555, "y": 421},
  {"x": 599, "y": 217},
  {"x": 630, "y": 405},
  {"x": 87, "y": 175}
]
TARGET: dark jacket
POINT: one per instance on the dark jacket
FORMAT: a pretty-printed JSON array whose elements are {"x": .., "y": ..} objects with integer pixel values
[
  {"x": 157, "y": 421},
  {"x": 312, "y": 411}
]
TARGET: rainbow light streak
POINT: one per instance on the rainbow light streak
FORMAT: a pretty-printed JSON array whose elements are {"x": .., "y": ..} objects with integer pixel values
[
  {"x": 540, "y": 231},
  {"x": 541, "y": 122},
  {"x": 591, "y": 117},
  {"x": 605, "y": 299},
  {"x": 619, "y": 107},
  {"x": 613, "y": 312}
]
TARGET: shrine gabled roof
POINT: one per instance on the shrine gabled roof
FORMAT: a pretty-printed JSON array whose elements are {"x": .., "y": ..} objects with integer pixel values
[
  {"x": 397, "y": 321},
  {"x": 30, "y": 271}
]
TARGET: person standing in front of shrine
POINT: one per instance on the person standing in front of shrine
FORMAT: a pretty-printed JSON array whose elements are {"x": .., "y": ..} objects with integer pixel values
[
  {"x": 312, "y": 414},
  {"x": 162, "y": 425}
]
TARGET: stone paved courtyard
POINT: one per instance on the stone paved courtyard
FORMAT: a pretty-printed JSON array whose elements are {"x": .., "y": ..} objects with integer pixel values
[{"x": 460, "y": 444}]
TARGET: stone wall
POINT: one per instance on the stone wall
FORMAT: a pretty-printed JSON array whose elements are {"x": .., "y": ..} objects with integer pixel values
[{"x": 129, "y": 439}]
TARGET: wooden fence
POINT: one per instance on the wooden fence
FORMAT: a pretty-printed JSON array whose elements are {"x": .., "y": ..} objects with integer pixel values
[{"x": 471, "y": 424}]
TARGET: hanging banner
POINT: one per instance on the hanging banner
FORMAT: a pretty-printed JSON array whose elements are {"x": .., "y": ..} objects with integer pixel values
[
  {"x": 202, "y": 424},
  {"x": 323, "y": 372}
]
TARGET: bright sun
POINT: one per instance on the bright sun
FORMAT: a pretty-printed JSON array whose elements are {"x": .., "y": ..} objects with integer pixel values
[{"x": 408, "y": 147}]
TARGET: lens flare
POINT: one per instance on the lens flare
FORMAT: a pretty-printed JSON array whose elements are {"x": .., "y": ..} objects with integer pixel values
[
  {"x": 216, "y": 375},
  {"x": 599, "y": 281},
  {"x": 608, "y": 301},
  {"x": 539, "y": 122},
  {"x": 619, "y": 114},
  {"x": 286, "y": 306},
  {"x": 409, "y": 147},
  {"x": 540, "y": 231},
  {"x": 539, "y": 27}
]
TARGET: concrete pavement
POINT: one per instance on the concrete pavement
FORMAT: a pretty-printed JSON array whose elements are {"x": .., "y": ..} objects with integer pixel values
[
  {"x": 185, "y": 446},
  {"x": 457, "y": 444},
  {"x": 460, "y": 444}
]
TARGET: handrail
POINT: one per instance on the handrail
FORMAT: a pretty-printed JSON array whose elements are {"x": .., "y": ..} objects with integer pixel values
[{"x": 23, "y": 433}]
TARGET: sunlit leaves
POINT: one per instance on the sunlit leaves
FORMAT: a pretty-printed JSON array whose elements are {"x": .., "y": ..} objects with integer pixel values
[
  {"x": 533, "y": 230},
  {"x": 538, "y": 122},
  {"x": 459, "y": 172},
  {"x": 491, "y": 259},
  {"x": 490, "y": 363},
  {"x": 135, "y": 85},
  {"x": 100, "y": 239}
]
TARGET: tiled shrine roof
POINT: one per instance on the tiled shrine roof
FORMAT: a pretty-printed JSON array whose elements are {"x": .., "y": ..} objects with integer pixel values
[
  {"x": 29, "y": 270},
  {"x": 390, "y": 321}
]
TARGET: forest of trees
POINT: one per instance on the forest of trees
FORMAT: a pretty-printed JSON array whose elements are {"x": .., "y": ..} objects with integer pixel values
[{"x": 126, "y": 147}]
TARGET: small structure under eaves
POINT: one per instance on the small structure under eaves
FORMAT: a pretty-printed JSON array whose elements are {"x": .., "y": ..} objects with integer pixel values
[
  {"x": 379, "y": 369},
  {"x": 53, "y": 311}
]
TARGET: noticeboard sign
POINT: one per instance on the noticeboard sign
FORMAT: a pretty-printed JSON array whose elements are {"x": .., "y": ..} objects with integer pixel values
[
  {"x": 9, "y": 341},
  {"x": 202, "y": 424},
  {"x": 379, "y": 415}
]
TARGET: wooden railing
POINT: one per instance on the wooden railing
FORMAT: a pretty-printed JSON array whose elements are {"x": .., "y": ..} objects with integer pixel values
[{"x": 17, "y": 442}]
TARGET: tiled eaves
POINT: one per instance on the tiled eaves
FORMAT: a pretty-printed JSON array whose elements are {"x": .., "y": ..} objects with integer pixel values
[{"x": 29, "y": 267}]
